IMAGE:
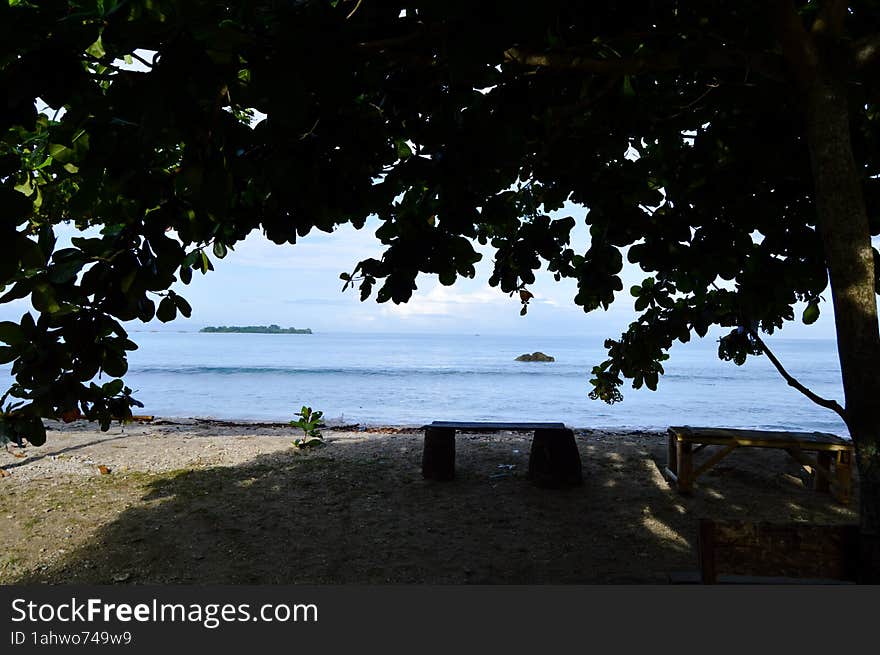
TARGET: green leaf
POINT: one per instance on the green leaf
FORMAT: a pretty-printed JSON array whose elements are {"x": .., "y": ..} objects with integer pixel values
[
  {"x": 146, "y": 309},
  {"x": 19, "y": 290},
  {"x": 26, "y": 188},
  {"x": 112, "y": 388},
  {"x": 114, "y": 365},
  {"x": 183, "y": 306},
  {"x": 15, "y": 206},
  {"x": 403, "y": 149},
  {"x": 7, "y": 354},
  {"x": 127, "y": 280},
  {"x": 206, "y": 264},
  {"x": 11, "y": 333},
  {"x": 167, "y": 310},
  {"x": 64, "y": 272},
  {"x": 96, "y": 50},
  {"x": 811, "y": 313},
  {"x": 33, "y": 430},
  {"x": 43, "y": 299},
  {"x": 61, "y": 153}
]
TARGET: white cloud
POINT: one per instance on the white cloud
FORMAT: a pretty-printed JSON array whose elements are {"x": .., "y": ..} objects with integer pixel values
[
  {"x": 318, "y": 251},
  {"x": 446, "y": 301}
]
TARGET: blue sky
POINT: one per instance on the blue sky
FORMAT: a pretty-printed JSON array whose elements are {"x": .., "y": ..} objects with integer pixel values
[{"x": 263, "y": 283}]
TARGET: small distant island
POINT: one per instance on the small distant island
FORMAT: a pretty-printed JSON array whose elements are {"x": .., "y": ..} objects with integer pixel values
[
  {"x": 535, "y": 357},
  {"x": 255, "y": 329}
]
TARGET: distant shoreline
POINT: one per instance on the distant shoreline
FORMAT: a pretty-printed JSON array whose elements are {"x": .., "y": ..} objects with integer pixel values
[{"x": 254, "y": 329}]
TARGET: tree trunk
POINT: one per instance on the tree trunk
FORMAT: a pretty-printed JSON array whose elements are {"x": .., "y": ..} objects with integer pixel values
[{"x": 843, "y": 224}]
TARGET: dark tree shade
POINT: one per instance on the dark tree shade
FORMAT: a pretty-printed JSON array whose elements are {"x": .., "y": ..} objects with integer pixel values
[{"x": 728, "y": 148}]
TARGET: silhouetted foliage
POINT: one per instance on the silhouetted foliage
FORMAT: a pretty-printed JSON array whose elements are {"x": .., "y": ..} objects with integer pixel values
[{"x": 714, "y": 145}]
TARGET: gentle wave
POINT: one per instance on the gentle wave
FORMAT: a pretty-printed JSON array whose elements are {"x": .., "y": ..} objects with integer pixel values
[
  {"x": 290, "y": 370},
  {"x": 554, "y": 372}
]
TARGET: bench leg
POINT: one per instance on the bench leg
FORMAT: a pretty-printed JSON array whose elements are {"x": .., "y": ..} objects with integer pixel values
[
  {"x": 438, "y": 457},
  {"x": 554, "y": 460},
  {"x": 672, "y": 454},
  {"x": 843, "y": 471},
  {"x": 685, "y": 467},
  {"x": 823, "y": 461}
]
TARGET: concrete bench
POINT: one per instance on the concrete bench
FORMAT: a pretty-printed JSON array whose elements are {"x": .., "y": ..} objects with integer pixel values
[{"x": 553, "y": 460}]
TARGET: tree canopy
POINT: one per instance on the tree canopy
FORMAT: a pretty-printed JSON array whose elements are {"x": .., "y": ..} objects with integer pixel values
[{"x": 178, "y": 128}]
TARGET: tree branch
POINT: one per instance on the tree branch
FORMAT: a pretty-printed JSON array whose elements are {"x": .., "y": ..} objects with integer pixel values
[
  {"x": 602, "y": 66},
  {"x": 146, "y": 63},
  {"x": 353, "y": 11},
  {"x": 797, "y": 44},
  {"x": 659, "y": 62},
  {"x": 768, "y": 65},
  {"x": 793, "y": 382}
]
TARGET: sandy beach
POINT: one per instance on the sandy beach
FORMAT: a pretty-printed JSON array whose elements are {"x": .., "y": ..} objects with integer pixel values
[{"x": 200, "y": 501}]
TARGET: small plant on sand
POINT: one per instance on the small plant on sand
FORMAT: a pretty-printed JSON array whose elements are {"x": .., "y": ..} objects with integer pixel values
[
  {"x": 308, "y": 421},
  {"x": 14, "y": 424}
]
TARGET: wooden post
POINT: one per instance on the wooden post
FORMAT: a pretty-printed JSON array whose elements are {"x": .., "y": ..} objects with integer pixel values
[
  {"x": 554, "y": 460},
  {"x": 685, "y": 467},
  {"x": 843, "y": 471},
  {"x": 706, "y": 546},
  {"x": 438, "y": 457},
  {"x": 823, "y": 461},
  {"x": 672, "y": 452}
]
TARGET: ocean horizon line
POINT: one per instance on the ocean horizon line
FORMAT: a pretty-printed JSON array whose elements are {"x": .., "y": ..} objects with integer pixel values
[{"x": 779, "y": 337}]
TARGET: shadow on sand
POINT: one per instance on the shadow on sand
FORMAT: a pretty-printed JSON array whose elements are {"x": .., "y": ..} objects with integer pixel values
[{"x": 347, "y": 515}]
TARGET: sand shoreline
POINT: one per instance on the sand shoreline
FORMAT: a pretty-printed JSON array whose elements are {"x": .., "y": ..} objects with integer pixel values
[
  {"x": 214, "y": 501},
  {"x": 339, "y": 425}
]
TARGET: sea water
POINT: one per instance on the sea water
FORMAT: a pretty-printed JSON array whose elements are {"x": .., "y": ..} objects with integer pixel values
[{"x": 412, "y": 379}]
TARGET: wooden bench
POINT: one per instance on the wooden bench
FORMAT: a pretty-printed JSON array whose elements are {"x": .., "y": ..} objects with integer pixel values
[
  {"x": 743, "y": 552},
  {"x": 685, "y": 441},
  {"x": 553, "y": 460}
]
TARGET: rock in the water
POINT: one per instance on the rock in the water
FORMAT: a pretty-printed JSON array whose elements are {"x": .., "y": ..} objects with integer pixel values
[{"x": 535, "y": 357}]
